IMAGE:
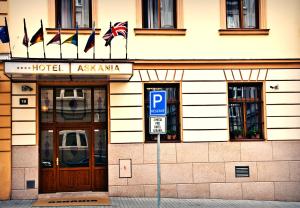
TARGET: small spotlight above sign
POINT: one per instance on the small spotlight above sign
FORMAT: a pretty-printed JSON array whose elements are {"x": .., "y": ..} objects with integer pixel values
[{"x": 26, "y": 88}]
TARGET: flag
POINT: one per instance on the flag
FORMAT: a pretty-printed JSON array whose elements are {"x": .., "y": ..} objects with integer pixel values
[
  {"x": 37, "y": 37},
  {"x": 119, "y": 28},
  {"x": 4, "y": 37},
  {"x": 55, "y": 39},
  {"x": 25, "y": 38},
  {"x": 90, "y": 43},
  {"x": 73, "y": 39}
]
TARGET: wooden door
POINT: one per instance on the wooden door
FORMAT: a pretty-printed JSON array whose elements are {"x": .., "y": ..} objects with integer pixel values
[{"x": 73, "y": 161}]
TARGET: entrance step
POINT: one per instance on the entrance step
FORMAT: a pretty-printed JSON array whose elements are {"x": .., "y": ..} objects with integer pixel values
[{"x": 73, "y": 195}]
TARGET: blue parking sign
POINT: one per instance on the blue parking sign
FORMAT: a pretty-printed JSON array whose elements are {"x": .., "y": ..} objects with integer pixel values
[{"x": 158, "y": 103}]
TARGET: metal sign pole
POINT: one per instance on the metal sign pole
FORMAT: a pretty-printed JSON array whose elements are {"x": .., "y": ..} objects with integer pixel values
[{"x": 158, "y": 170}]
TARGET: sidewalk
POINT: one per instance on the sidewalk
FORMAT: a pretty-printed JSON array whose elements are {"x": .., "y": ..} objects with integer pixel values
[{"x": 121, "y": 202}]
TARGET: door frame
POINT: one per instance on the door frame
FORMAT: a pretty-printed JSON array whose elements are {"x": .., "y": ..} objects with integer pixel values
[{"x": 78, "y": 125}]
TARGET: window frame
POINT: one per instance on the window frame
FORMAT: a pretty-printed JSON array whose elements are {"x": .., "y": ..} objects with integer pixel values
[
  {"x": 159, "y": 15},
  {"x": 177, "y": 31},
  {"x": 58, "y": 14},
  {"x": 260, "y": 30},
  {"x": 163, "y": 137},
  {"x": 244, "y": 102}
]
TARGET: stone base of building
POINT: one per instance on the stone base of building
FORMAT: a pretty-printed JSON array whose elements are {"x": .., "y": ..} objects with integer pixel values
[{"x": 207, "y": 170}]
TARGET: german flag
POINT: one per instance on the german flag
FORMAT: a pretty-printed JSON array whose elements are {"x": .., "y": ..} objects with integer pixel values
[{"x": 37, "y": 37}]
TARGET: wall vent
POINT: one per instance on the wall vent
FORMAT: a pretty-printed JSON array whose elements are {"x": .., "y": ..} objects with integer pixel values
[
  {"x": 242, "y": 171},
  {"x": 30, "y": 184}
]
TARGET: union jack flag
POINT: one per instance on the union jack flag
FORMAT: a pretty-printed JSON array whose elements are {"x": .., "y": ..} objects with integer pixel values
[{"x": 119, "y": 28}]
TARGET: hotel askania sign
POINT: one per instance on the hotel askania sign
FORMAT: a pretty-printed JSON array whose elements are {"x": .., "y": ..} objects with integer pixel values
[{"x": 51, "y": 68}]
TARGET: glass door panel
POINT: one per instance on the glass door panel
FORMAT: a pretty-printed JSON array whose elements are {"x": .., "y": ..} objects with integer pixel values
[
  {"x": 73, "y": 148},
  {"x": 100, "y": 147},
  {"x": 46, "y": 149}
]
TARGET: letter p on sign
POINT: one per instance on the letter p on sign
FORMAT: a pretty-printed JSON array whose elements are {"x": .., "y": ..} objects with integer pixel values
[{"x": 158, "y": 103}]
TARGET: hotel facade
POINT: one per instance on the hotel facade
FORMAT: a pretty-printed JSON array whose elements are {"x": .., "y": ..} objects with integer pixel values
[{"x": 231, "y": 69}]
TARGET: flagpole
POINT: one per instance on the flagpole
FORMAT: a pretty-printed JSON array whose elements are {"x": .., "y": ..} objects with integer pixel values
[
  {"x": 94, "y": 49},
  {"x": 77, "y": 38},
  {"x": 126, "y": 40},
  {"x": 110, "y": 44},
  {"x": 59, "y": 30},
  {"x": 26, "y": 37},
  {"x": 43, "y": 38},
  {"x": 8, "y": 38}
]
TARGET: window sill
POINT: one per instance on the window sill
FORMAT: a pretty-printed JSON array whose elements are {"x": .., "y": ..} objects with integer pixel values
[
  {"x": 72, "y": 31},
  {"x": 244, "y": 31},
  {"x": 247, "y": 140},
  {"x": 162, "y": 141},
  {"x": 175, "y": 32}
]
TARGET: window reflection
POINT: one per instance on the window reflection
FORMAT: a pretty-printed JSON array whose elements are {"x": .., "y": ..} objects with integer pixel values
[
  {"x": 100, "y": 146},
  {"x": 46, "y": 105},
  {"x": 46, "y": 148},
  {"x": 73, "y": 148},
  {"x": 100, "y": 105}
]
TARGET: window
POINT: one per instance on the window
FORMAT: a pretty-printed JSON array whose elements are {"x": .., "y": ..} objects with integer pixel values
[
  {"x": 173, "y": 129},
  {"x": 159, "y": 14},
  {"x": 242, "y": 14},
  {"x": 245, "y": 111},
  {"x": 70, "y": 12}
]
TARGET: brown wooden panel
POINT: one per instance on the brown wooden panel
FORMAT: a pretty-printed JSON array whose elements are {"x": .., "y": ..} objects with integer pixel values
[
  {"x": 74, "y": 180},
  {"x": 5, "y": 121},
  {"x": 5, "y": 110},
  {"x": 5, "y": 145},
  {"x": 5, "y": 133},
  {"x": 100, "y": 179},
  {"x": 47, "y": 180},
  {"x": 5, "y": 98},
  {"x": 5, "y": 86}
]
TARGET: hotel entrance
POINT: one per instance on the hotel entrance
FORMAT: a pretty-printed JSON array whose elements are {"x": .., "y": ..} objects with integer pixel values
[{"x": 73, "y": 139}]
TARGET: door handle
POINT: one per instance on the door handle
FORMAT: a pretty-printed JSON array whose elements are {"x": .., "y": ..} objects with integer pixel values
[{"x": 57, "y": 161}]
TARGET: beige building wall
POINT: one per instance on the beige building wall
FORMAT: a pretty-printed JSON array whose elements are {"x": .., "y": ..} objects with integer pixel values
[{"x": 201, "y": 19}]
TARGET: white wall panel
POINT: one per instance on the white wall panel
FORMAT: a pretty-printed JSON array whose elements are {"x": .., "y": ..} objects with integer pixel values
[
  {"x": 283, "y": 74},
  {"x": 31, "y": 101},
  {"x": 245, "y": 74},
  {"x": 126, "y": 112},
  {"x": 283, "y": 122},
  {"x": 254, "y": 74},
  {"x": 152, "y": 75},
  {"x": 23, "y": 127},
  {"x": 126, "y": 100},
  {"x": 236, "y": 74},
  {"x": 203, "y": 75},
  {"x": 126, "y": 87},
  {"x": 204, "y": 111},
  {"x": 17, "y": 88},
  {"x": 283, "y": 110},
  {"x": 126, "y": 137},
  {"x": 283, "y": 134},
  {"x": 204, "y": 123},
  {"x": 262, "y": 74},
  {"x": 136, "y": 76},
  {"x": 228, "y": 74},
  {"x": 204, "y": 99},
  {"x": 23, "y": 139},
  {"x": 178, "y": 75},
  {"x": 210, "y": 135},
  {"x": 283, "y": 86},
  {"x": 170, "y": 75},
  {"x": 279, "y": 98},
  {"x": 126, "y": 125},
  {"x": 203, "y": 87},
  {"x": 161, "y": 74},
  {"x": 24, "y": 114},
  {"x": 144, "y": 75}
]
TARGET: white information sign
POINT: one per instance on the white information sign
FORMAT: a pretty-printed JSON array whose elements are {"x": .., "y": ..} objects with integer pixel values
[{"x": 157, "y": 125}]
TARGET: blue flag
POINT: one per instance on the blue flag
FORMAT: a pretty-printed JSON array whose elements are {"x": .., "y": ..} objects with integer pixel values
[{"x": 4, "y": 37}]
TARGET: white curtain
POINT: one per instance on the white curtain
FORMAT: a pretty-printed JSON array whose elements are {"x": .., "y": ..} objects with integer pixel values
[
  {"x": 167, "y": 13},
  {"x": 66, "y": 14},
  {"x": 152, "y": 13},
  {"x": 249, "y": 10},
  {"x": 233, "y": 14},
  {"x": 83, "y": 13}
]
